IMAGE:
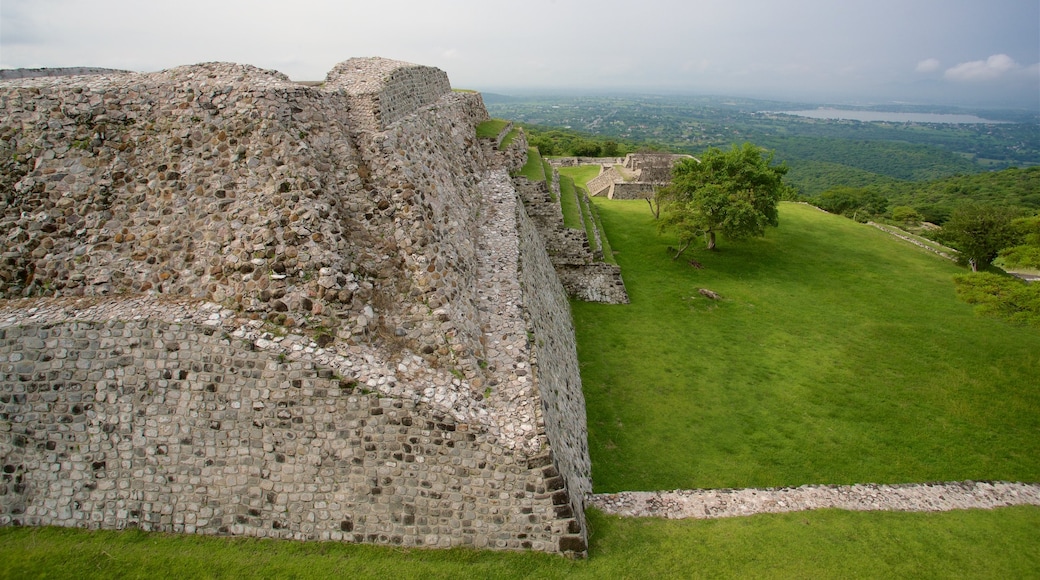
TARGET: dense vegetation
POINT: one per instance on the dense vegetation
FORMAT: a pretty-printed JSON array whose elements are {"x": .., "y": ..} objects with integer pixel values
[{"x": 821, "y": 153}]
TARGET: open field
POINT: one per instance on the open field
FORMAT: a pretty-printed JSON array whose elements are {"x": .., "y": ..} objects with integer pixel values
[{"x": 839, "y": 355}]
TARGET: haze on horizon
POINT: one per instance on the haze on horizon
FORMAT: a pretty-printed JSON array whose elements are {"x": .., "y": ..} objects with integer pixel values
[{"x": 959, "y": 52}]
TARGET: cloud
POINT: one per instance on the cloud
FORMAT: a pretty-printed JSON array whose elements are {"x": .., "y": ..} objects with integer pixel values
[
  {"x": 990, "y": 69},
  {"x": 928, "y": 65}
]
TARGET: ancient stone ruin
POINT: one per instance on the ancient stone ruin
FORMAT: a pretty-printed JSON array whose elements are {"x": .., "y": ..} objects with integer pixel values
[
  {"x": 634, "y": 177},
  {"x": 238, "y": 305}
]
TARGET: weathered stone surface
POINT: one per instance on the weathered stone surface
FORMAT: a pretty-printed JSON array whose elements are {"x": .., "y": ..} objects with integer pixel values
[
  {"x": 245, "y": 306},
  {"x": 720, "y": 503}
]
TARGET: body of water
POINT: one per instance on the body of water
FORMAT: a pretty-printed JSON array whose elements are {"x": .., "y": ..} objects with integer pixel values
[{"x": 891, "y": 117}]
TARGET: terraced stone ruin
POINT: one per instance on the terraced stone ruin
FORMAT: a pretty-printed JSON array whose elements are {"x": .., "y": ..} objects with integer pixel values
[{"x": 238, "y": 305}]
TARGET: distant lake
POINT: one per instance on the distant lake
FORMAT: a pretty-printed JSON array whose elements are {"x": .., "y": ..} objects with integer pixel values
[{"x": 889, "y": 116}]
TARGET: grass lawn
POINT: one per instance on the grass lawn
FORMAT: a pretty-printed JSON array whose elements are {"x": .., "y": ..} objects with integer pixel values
[
  {"x": 824, "y": 544},
  {"x": 581, "y": 174},
  {"x": 839, "y": 355}
]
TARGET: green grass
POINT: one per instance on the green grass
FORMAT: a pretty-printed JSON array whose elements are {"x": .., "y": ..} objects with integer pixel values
[
  {"x": 572, "y": 216},
  {"x": 581, "y": 174},
  {"x": 533, "y": 169},
  {"x": 839, "y": 355},
  {"x": 548, "y": 169},
  {"x": 491, "y": 128},
  {"x": 824, "y": 544},
  {"x": 508, "y": 139},
  {"x": 608, "y": 252}
]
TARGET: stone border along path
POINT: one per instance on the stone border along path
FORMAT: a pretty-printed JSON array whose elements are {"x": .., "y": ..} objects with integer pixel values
[{"x": 724, "y": 503}]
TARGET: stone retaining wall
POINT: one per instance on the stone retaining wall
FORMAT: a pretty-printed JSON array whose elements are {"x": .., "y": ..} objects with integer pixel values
[
  {"x": 177, "y": 428},
  {"x": 341, "y": 241},
  {"x": 631, "y": 190}
]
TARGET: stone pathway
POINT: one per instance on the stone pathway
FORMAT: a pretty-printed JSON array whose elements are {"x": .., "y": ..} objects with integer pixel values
[{"x": 722, "y": 503}]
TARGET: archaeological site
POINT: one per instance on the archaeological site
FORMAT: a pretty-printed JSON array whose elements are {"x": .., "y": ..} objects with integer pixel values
[{"x": 237, "y": 305}]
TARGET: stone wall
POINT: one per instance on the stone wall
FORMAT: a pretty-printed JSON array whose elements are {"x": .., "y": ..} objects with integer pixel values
[
  {"x": 630, "y": 190},
  {"x": 601, "y": 184},
  {"x": 28, "y": 73},
  {"x": 346, "y": 229},
  {"x": 581, "y": 270},
  {"x": 179, "y": 428},
  {"x": 382, "y": 91},
  {"x": 574, "y": 161}
]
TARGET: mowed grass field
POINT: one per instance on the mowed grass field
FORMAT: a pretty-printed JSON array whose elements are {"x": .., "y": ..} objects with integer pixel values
[{"x": 838, "y": 355}]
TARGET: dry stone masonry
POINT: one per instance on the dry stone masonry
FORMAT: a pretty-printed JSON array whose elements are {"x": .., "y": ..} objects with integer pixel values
[
  {"x": 634, "y": 177},
  {"x": 239, "y": 305}
]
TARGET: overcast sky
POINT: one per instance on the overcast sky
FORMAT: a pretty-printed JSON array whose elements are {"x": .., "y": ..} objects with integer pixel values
[{"x": 956, "y": 51}]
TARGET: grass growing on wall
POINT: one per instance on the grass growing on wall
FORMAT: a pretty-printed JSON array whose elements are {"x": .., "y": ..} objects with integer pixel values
[
  {"x": 824, "y": 544},
  {"x": 491, "y": 128},
  {"x": 533, "y": 169},
  {"x": 548, "y": 169},
  {"x": 572, "y": 217},
  {"x": 508, "y": 139},
  {"x": 838, "y": 355}
]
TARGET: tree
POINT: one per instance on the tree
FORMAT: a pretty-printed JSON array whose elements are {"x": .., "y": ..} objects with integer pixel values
[
  {"x": 979, "y": 232},
  {"x": 852, "y": 202},
  {"x": 906, "y": 214},
  {"x": 733, "y": 192},
  {"x": 1027, "y": 254}
]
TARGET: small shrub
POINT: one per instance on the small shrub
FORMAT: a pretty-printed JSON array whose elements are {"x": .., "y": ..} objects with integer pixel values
[{"x": 1002, "y": 297}]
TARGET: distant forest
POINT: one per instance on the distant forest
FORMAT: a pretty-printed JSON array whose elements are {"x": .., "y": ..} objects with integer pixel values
[{"x": 929, "y": 166}]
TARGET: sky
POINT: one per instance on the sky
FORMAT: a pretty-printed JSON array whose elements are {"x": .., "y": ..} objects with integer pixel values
[{"x": 966, "y": 52}]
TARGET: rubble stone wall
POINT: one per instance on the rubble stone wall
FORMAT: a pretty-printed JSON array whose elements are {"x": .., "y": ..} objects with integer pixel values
[
  {"x": 178, "y": 428},
  {"x": 345, "y": 229}
]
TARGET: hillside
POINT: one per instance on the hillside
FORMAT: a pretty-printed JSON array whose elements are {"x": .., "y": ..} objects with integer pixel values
[{"x": 1011, "y": 187}]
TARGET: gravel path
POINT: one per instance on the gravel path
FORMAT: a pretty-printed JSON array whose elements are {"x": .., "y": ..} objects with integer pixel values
[{"x": 722, "y": 503}]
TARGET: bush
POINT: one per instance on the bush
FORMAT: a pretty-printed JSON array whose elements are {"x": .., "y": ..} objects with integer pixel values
[{"x": 1000, "y": 296}]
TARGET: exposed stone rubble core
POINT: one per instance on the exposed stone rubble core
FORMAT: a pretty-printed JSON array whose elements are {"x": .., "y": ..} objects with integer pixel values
[
  {"x": 722, "y": 503},
  {"x": 579, "y": 266},
  {"x": 291, "y": 311}
]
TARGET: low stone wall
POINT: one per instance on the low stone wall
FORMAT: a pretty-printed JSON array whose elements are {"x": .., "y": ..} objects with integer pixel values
[
  {"x": 574, "y": 161},
  {"x": 631, "y": 190},
  {"x": 603, "y": 182},
  {"x": 28, "y": 73}
]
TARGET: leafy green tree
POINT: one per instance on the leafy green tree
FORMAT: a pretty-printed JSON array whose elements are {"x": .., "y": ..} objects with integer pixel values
[
  {"x": 585, "y": 148},
  {"x": 906, "y": 214},
  {"x": 1001, "y": 296},
  {"x": 1027, "y": 254},
  {"x": 979, "y": 232},
  {"x": 733, "y": 192}
]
